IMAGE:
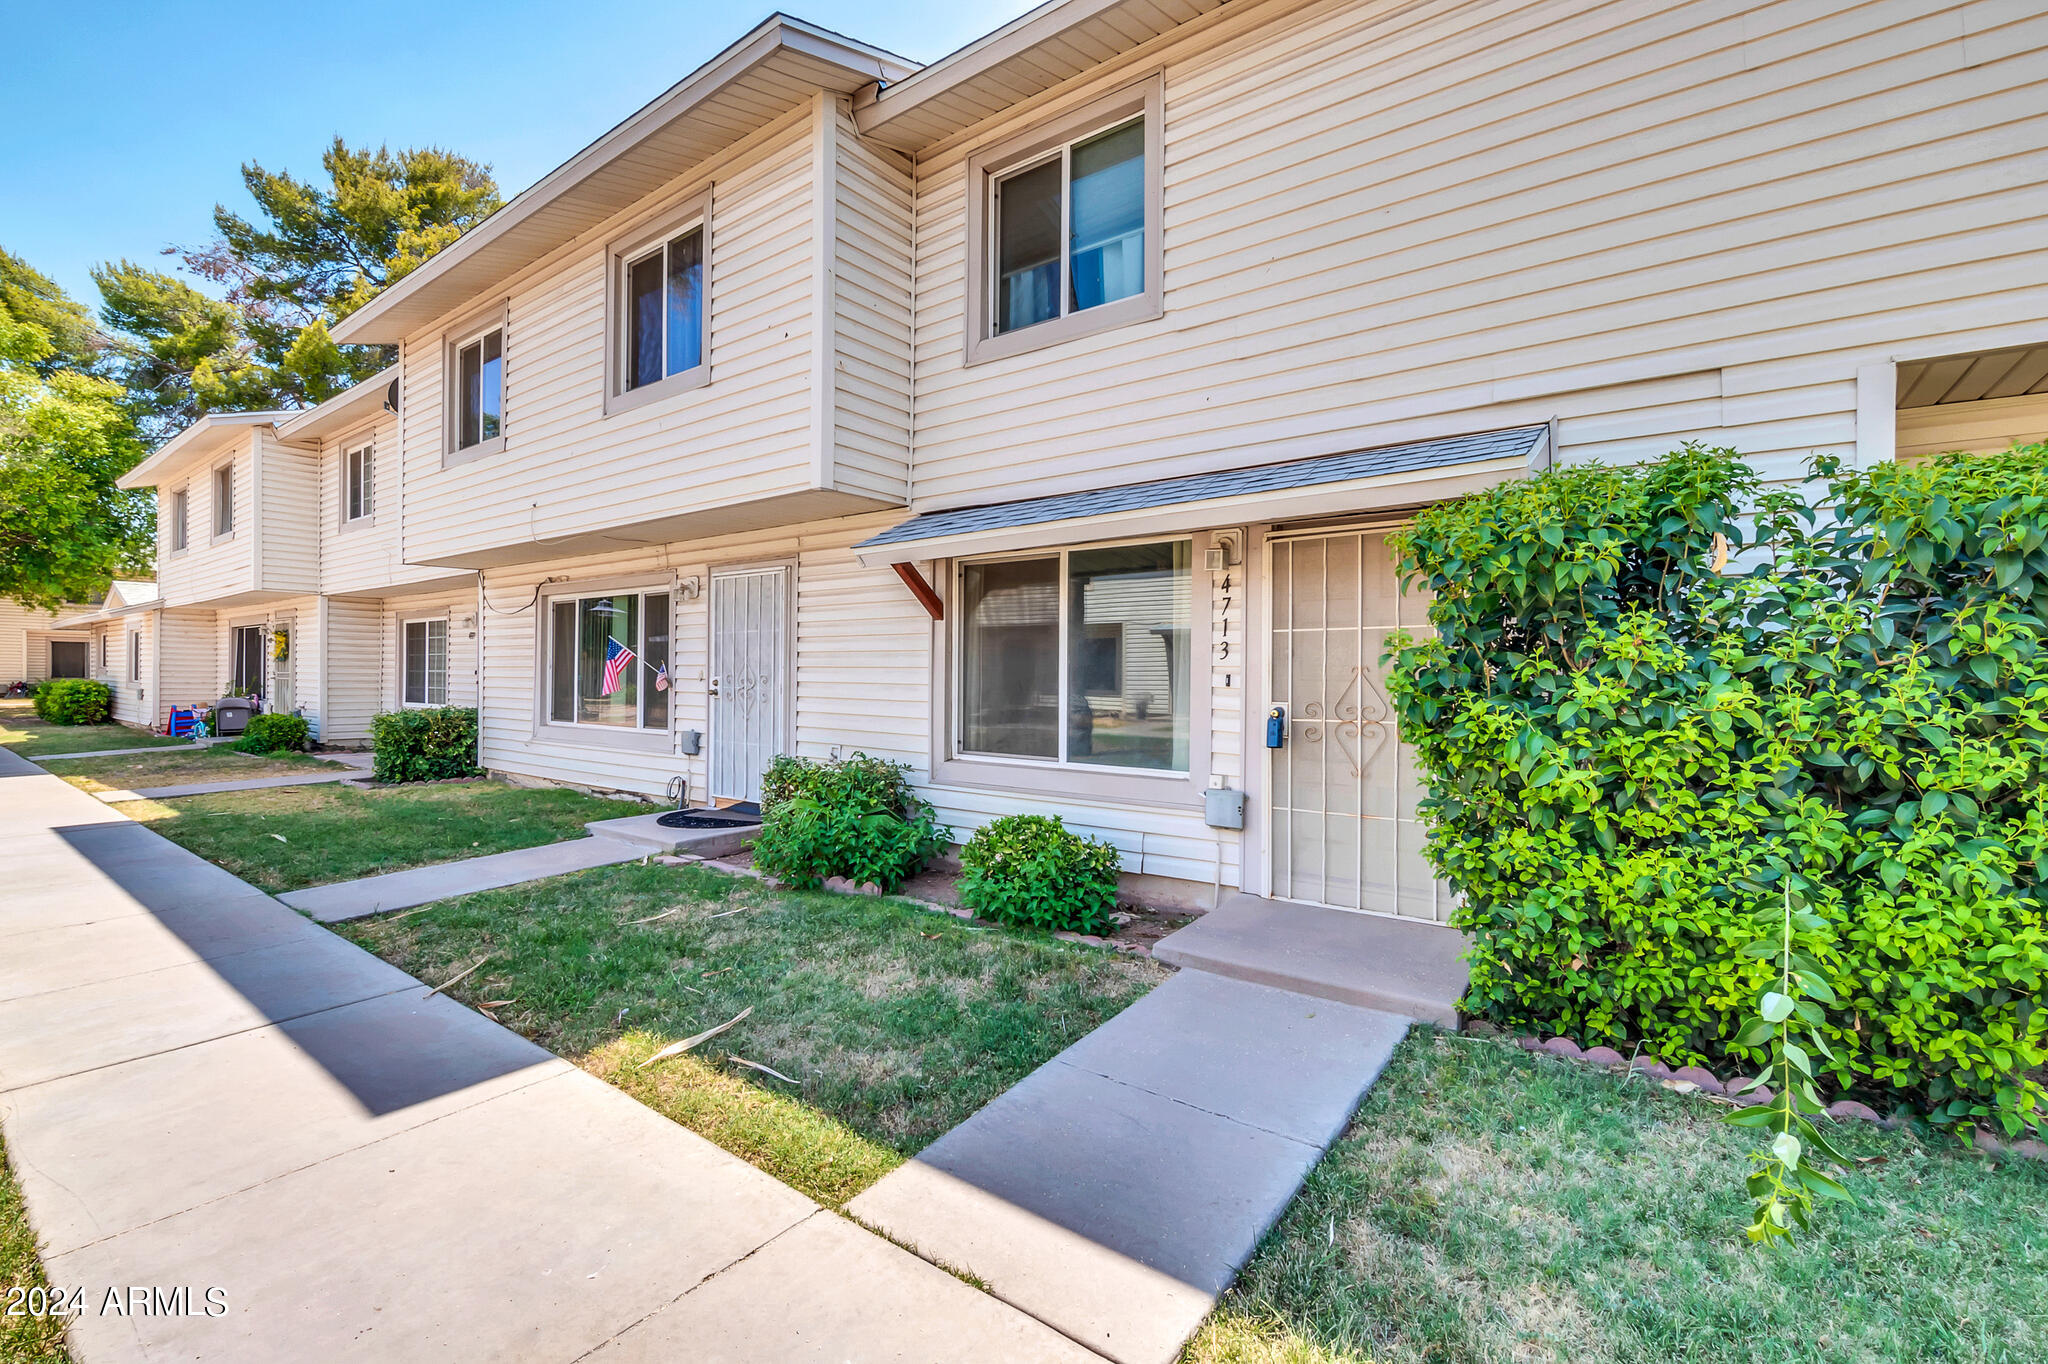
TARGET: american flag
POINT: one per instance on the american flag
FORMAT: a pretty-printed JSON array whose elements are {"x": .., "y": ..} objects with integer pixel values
[{"x": 617, "y": 658}]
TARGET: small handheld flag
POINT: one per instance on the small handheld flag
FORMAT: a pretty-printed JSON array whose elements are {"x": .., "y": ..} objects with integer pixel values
[
  {"x": 616, "y": 659},
  {"x": 661, "y": 678}
]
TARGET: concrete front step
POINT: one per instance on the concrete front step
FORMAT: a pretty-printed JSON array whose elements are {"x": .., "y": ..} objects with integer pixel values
[
  {"x": 1400, "y": 966},
  {"x": 646, "y": 833}
]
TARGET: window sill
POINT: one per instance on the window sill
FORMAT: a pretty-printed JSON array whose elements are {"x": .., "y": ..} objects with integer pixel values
[
  {"x": 483, "y": 449},
  {"x": 357, "y": 523},
  {"x": 597, "y": 736},
  {"x": 632, "y": 400},
  {"x": 1121, "y": 786},
  {"x": 222, "y": 538},
  {"x": 1125, "y": 312}
]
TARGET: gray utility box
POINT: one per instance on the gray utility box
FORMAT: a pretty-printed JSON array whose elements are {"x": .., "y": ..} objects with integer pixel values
[{"x": 1224, "y": 809}]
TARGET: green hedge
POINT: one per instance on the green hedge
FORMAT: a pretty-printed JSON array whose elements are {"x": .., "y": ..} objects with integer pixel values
[
  {"x": 857, "y": 818},
  {"x": 423, "y": 745},
  {"x": 1033, "y": 871},
  {"x": 74, "y": 701},
  {"x": 272, "y": 733},
  {"x": 1631, "y": 755}
]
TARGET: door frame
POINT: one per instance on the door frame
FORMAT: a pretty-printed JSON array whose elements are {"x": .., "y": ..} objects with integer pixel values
[
  {"x": 1260, "y": 629},
  {"x": 740, "y": 569}
]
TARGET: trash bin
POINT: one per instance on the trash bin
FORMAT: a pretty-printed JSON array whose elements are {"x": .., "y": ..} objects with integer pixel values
[{"x": 231, "y": 714}]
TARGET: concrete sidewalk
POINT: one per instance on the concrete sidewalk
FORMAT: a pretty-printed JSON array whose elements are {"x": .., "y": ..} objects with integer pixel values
[
  {"x": 202, "y": 1090},
  {"x": 444, "y": 880},
  {"x": 1119, "y": 1189}
]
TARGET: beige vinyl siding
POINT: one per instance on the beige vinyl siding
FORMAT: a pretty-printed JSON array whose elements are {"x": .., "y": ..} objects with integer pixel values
[
  {"x": 204, "y": 570},
  {"x": 288, "y": 516},
  {"x": 17, "y": 663},
  {"x": 354, "y": 667},
  {"x": 1385, "y": 221},
  {"x": 1978, "y": 427},
  {"x": 188, "y": 662},
  {"x": 870, "y": 292},
  {"x": 131, "y": 699},
  {"x": 567, "y": 467},
  {"x": 458, "y": 608}
]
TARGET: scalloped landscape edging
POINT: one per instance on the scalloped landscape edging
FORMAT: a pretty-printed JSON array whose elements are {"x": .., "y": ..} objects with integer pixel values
[{"x": 1698, "y": 1079}]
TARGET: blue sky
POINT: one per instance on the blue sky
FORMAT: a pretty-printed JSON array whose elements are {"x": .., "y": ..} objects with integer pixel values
[{"x": 125, "y": 124}]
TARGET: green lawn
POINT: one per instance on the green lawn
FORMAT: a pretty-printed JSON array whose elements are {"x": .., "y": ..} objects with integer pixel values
[
  {"x": 137, "y": 771},
  {"x": 290, "y": 837},
  {"x": 23, "y": 1339},
  {"x": 894, "y": 1024},
  {"x": 21, "y": 731},
  {"x": 1491, "y": 1205}
]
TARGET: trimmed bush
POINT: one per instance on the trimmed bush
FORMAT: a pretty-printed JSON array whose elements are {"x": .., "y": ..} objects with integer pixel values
[
  {"x": 423, "y": 745},
  {"x": 1033, "y": 871},
  {"x": 1634, "y": 745},
  {"x": 856, "y": 818},
  {"x": 74, "y": 701},
  {"x": 274, "y": 733}
]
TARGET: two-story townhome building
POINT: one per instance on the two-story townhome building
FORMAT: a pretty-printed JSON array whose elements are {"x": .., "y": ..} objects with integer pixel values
[
  {"x": 1038, "y": 418},
  {"x": 280, "y": 573}
]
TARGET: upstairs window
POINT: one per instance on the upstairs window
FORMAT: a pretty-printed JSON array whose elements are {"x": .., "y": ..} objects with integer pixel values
[
  {"x": 181, "y": 520},
  {"x": 224, "y": 500},
  {"x": 358, "y": 483},
  {"x": 659, "y": 284},
  {"x": 480, "y": 389},
  {"x": 1063, "y": 227}
]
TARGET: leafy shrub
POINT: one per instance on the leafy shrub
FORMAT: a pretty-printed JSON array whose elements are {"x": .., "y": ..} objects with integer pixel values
[
  {"x": 1631, "y": 752},
  {"x": 74, "y": 701},
  {"x": 423, "y": 745},
  {"x": 1031, "y": 870},
  {"x": 271, "y": 733},
  {"x": 857, "y": 818}
]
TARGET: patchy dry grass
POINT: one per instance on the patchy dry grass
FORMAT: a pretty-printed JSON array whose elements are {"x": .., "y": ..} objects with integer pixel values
[
  {"x": 1491, "y": 1205},
  {"x": 21, "y": 731},
  {"x": 24, "y": 1339},
  {"x": 289, "y": 837},
  {"x": 893, "y": 1024},
  {"x": 137, "y": 771}
]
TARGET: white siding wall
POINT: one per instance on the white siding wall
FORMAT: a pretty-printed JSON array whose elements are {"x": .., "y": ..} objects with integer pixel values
[
  {"x": 568, "y": 467},
  {"x": 1652, "y": 219},
  {"x": 870, "y": 294},
  {"x": 458, "y": 608},
  {"x": 355, "y": 668},
  {"x": 205, "y": 570},
  {"x": 289, "y": 511},
  {"x": 188, "y": 666},
  {"x": 132, "y": 699}
]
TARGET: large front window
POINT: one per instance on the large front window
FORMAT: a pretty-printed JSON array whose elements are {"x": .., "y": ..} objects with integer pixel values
[
  {"x": 1078, "y": 657},
  {"x": 1070, "y": 229},
  {"x": 608, "y": 660}
]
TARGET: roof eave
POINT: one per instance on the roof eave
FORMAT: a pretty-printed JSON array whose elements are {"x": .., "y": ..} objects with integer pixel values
[
  {"x": 374, "y": 322},
  {"x": 203, "y": 437},
  {"x": 343, "y": 410}
]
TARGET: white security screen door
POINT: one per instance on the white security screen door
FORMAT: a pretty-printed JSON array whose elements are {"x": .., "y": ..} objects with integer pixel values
[
  {"x": 749, "y": 643},
  {"x": 1342, "y": 826}
]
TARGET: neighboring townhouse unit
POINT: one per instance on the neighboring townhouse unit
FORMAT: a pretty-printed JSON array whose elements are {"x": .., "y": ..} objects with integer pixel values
[
  {"x": 33, "y": 645},
  {"x": 281, "y": 575},
  {"x": 117, "y": 642},
  {"x": 1038, "y": 418}
]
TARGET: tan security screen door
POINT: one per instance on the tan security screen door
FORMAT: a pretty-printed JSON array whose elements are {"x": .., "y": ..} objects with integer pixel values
[{"x": 1342, "y": 825}]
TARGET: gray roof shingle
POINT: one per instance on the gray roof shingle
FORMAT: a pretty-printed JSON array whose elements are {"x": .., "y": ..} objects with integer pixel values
[{"x": 1298, "y": 473}]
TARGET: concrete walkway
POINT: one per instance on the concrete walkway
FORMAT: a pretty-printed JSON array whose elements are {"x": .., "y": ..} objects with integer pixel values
[
  {"x": 201, "y": 1089},
  {"x": 1118, "y": 1190},
  {"x": 424, "y": 885},
  {"x": 107, "y": 753},
  {"x": 208, "y": 788}
]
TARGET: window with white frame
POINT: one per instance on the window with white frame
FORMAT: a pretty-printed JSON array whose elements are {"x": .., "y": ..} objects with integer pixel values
[
  {"x": 1070, "y": 229},
  {"x": 181, "y": 519},
  {"x": 246, "y": 660},
  {"x": 426, "y": 662},
  {"x": 224, "y": 500},
  {"x": 607, "y": 660},
  {"x": 480, "y": 388},
  {"x": 106, "y": 638},
  {"x": 1078, "y": 656},
  {"x": 358, "y": 483},
  {"x": 663, "y": 312},
  {"x": 134, "y": 656}
]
